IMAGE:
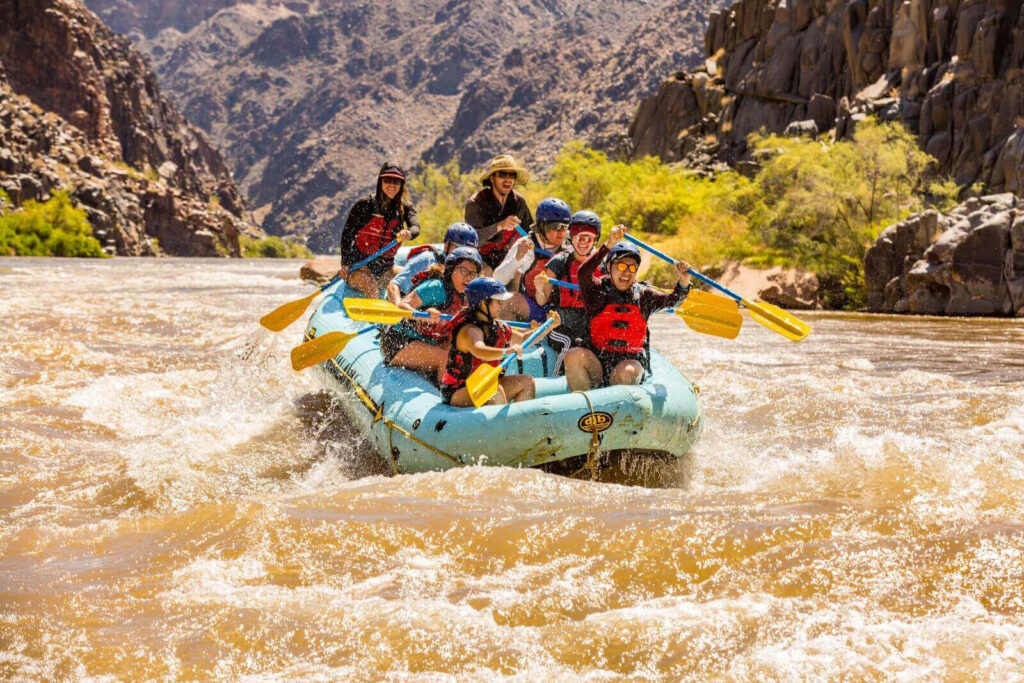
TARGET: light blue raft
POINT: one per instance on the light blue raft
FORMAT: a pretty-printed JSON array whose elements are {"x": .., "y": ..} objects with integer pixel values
[{"x": 414, "y": 431}]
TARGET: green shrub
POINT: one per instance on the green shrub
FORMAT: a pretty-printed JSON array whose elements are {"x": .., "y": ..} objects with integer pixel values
[
  {"x": 52, "y": 228},
  {"x": 273, "y": 247},
  {"x": 814, "y": 204}
]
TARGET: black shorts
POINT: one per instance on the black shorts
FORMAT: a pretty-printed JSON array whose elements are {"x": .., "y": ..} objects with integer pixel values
[{"x": 610, "y": 359}]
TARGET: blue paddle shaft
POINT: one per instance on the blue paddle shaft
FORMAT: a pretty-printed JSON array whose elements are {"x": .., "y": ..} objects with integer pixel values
[
  {"x": 665, "y": 257},
  {"x": 542, "y": 252},
  {"x": 563, "y": 283},
  {"x": 330, "y": 282},
  {"x": 529, "y": 340},
  {"x": 375, "y": 255}
]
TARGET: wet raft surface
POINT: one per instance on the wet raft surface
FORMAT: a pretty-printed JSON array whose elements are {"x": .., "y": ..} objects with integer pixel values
[{"x": 177, "y": 503}]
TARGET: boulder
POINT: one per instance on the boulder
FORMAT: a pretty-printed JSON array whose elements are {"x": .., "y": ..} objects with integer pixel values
[
  {"x": 786, "y": 287},
  {"x": 320, "y": 270}
]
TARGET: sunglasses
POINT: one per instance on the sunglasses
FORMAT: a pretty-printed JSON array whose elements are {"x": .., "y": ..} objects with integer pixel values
[
  {"x": 467, "y": 272},
  {"x": 622, "y": 267},
  {"x": 390, "y": 181},
  {"x": 559, "y": 227},
  {"x": 584, "y": 237},
  {"x": 506, "y": 174}
]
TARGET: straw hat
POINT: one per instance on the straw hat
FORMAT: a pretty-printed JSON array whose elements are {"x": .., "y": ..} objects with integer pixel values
[{"x": 505, "y": 162}]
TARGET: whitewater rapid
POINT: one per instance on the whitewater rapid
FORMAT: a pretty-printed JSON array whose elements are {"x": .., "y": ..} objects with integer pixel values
[{"x": 177, "y": 503}]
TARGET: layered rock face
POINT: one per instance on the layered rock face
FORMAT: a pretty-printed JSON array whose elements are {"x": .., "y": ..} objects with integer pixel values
[
  {"x": 948, "y": 69},
  {"x": 307, "y": 98},
  {"x": 80, "y": 110},
  {"x": 967, "y": 262}
]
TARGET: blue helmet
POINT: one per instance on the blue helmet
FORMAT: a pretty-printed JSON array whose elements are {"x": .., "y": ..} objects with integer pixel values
[
  {"x": 462, "y": 234},
  {"x": 484, "y": 288},
  {"x": 620, "y": 251},
  {"x": 584, "y": 221},
  {"x": 459, "y": 254},
  {"x": 554, "y": 210}
]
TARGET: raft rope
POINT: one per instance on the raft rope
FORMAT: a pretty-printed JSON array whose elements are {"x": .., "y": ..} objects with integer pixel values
[
  {"x": 593, "y": 463},
  {"x": 378, "y": 416}
]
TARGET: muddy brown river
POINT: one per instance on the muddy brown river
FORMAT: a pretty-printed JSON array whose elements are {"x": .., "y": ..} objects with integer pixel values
[{"x": 176, "y": 503}]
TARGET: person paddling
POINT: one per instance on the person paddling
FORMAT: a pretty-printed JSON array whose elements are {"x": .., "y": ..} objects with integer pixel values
[
  {"x": 584, "y": 230},
  {"x": 422, "y": 257},
  {"x": 422, "y": 345},
  {"x": 478, "y": 336},
  {"x": 373, "y": 222},
  {"x": 529, "y": 255},
  {"x": 496, "y": 210},
  {"x": 617, "y": 309}
]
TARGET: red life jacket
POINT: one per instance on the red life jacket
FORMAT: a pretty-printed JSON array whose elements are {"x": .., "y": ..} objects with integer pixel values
[
  {"x": 440, "y": 331},
  {"x": 620, "y": 327},
  {"x": 571, "y": 298},
  {"x": 498, "y": 246},
  {"x": 375, "y": 234},
  {"x": 526, "y": 285},
  {"x": 460, "y": 364}
]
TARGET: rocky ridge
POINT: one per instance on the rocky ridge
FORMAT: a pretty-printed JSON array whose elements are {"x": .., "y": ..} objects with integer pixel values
[
  {"x": 969, "y": 261},
  {"x": 81, "y": 111},
  {"x": 305, "y": 98},
  {"x": 950, "y": 70}
]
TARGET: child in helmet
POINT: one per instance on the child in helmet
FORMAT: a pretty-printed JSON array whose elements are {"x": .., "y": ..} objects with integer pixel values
[
  {"x": 422, "y": 345},
  {"x": 617, "y": 309},
  {"x": 529, "y": 255},
  {"x": 422, "y": 257},
  {"x": 584, "y": 230},
  {"x": 478, "y": 337}
]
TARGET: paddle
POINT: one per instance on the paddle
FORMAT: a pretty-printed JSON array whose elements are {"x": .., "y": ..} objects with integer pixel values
[
  {"x": 483, "y": 383},
  {"x": 702, "y": 312},
  {"x": 323, "y": 348},
  {"x": 283, "y": 316},
  {"x": 329, "y": 345},
  {"x": 384, "y": 312},
  {"x": 536, "y": 250},
  {"x": 772, "y": 317}
]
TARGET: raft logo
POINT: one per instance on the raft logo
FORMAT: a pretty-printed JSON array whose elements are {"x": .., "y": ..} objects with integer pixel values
[{"x": 595, "y": 422}]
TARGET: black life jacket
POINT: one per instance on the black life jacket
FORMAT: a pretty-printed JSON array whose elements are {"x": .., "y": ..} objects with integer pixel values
[
  {"x": 563, "y": 297},
  {"x": 461, "y": 364}
]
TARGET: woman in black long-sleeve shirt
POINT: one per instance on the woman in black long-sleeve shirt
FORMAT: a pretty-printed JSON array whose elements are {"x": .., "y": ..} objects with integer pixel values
[
  {"x": 617, "y": 308},
  {"x": 372, "y": 223}
]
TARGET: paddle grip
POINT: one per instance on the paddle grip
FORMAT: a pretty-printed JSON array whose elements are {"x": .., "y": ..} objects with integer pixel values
[
  {"x": 529, "y": 340},
  {"x": 537, "y": 250},
  {"x": 665, "y": 257},
  {"x": 372, "y": 257}
]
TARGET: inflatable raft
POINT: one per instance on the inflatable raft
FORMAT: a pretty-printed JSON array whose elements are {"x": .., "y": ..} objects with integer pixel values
[{"x": 414, "y": 431}]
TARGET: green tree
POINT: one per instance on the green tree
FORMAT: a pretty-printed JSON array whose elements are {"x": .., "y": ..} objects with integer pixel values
[
  {"x": 820, "y": 205},
  {"x": 440, "y": 194},
  {"x": 272, "y": 247}
]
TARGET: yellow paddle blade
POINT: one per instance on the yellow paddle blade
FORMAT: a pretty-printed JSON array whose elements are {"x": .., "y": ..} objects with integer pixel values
[
  {"x": 715, "y": 319},
  {"x": 283, "y": 316},
  {"x": 774, "y": 318},
  {"x": 320, "y": 350},
  {"x": 376, "y": 311},
  {"x": 483, "y": 384}
]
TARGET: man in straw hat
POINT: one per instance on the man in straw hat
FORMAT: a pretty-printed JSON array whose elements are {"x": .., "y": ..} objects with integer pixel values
[{"x": 497, "y": 209}]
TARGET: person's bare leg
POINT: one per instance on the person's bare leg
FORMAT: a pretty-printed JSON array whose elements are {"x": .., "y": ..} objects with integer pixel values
[
  {"x": 627, "y": 372},
  {"x": 421, "y": 357},
  {"x": 518, "y": 387},
  {"x": 363, "y": 282},
  {"x": 582, "y": 369}
]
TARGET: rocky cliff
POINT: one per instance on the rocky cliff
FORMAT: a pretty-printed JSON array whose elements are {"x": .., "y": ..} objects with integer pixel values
[
  {"x": 80, "y": 110},
  {"x": 950, "y": 70},
  {"x": 967, "y": 262},
  {"x": 306, "y": 97}
]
